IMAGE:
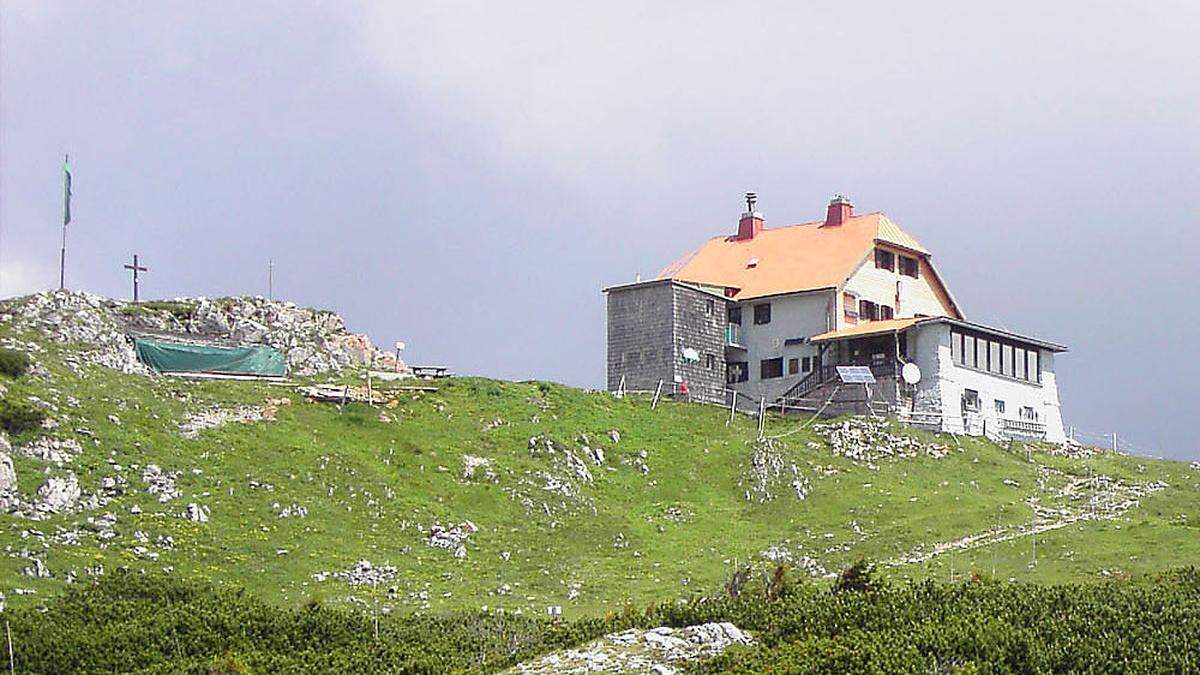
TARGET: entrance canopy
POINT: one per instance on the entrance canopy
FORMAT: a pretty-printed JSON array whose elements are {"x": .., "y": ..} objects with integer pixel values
[
  {"x": 866, "y": 329},
  {"x": 175, "y": 357}
]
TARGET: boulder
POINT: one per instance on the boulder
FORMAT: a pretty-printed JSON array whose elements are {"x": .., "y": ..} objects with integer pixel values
[
  {"x": 8, "y": 475},
  {"x": 58, "y": 494}
]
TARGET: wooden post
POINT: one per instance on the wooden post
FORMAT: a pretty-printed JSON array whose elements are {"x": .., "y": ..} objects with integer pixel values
[
  {"x": 1115, "y": 442},
  {"x": 732, "y": 405},
  {"x": 1033, "y": 530},
  {"x": 657, "y": 391},
  {"x": 762, "y": 415},
  {"x": 12, "y": 663}
]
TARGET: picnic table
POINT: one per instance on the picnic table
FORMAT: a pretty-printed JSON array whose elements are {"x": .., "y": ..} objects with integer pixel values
[{"x": 431, "y": 372}]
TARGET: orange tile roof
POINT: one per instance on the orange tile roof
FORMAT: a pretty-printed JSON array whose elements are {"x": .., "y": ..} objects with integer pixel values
[
  {"x": 869, "y": 328},
  {"x": 789, "y": 259}
]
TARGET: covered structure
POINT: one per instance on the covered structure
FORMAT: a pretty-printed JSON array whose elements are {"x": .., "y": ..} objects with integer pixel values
[{"x": 179, "y": 357}]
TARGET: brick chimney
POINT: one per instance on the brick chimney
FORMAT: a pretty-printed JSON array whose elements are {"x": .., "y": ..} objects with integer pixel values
[
  {"x": 752, "y": 221},
  {"x": 840, "y": 210}
]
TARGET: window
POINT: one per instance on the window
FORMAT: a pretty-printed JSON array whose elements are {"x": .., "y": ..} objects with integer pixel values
[
  {"x": 970, "y": 400},
  {"x": 995, "y": 356},
  {"x": 738, "y": 372},
  {"x": 999, "y": 407},
  {"x": 885, "y": 260},
  {"x": 710, "y": 362},
  {"x": 710, "y": 306},
  {"x": 793, "y": 366},
  {"x": 867, "y": 310},
  {"x": 1028, "y": 414},
  {"x": 885, "y": 312},
  {"x": 908, "y": 266},
  {"x": 806, "y": 364},
  {"x": 770, "y": 369},
  {"x": 850, "y": 302},
  {"x": 735, "y": 315},
  {"x": 762, "y": 314}
]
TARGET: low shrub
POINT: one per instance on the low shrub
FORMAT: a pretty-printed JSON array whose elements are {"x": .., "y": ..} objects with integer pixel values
[
  {"x": 14, "y": 363},
  {"x": 17, "y": 417}
]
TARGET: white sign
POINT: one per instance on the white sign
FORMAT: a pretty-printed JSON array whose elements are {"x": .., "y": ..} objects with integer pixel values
[{"x": 855, "y": 375}]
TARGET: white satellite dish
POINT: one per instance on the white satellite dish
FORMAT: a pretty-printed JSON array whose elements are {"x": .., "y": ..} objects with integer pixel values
[
  {"x": 400, "y": 345},
  {"x": 911, "y": 373}
]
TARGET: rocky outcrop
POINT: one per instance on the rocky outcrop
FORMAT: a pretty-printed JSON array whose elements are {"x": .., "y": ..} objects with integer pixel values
[
  {"x": 89, "y": 321},
  {"x": 658, "y": 650},
  {"x": 312, "y": 341}
]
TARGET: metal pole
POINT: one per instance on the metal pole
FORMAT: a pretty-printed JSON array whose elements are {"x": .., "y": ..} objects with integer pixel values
[
  {"x": 271, "y": 279},
  {"x": 1114, "y": 441},
  {"x": 62, "y": 254}
]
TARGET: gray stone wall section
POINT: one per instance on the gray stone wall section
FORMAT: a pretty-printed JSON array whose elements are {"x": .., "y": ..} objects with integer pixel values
[
  {"x": 700, "y": 319},
  {"x": 641, "y": 336}
]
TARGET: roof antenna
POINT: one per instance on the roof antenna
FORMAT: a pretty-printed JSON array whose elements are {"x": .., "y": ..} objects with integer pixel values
[{"x": 751, "y": 200}]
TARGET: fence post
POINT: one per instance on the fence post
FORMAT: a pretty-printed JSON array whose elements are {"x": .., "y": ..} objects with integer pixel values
[
  {"x": 657, "y": 391},
  {"x": 762, "y": 415},
  {"x": 732, "y": 405}
]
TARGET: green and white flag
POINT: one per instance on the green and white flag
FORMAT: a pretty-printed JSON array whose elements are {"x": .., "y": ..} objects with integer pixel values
[{"x": 66, "y": 191}]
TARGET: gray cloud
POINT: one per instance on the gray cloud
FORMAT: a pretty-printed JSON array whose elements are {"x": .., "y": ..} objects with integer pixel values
[{"x": 466, "y": 176}]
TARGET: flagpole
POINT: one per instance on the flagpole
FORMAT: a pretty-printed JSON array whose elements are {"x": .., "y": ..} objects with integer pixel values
[{"x": 62, "y": 253}]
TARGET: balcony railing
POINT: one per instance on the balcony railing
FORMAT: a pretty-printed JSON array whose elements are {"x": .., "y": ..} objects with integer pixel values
[
  {"x": 1023, "y": 427},
  {"x": 733, "y": 336}
]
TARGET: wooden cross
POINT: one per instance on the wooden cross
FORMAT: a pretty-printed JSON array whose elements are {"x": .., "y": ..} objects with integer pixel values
[{"x": 135, "y": 268}]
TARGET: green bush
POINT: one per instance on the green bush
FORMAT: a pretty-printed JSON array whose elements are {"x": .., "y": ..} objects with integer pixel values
[
  {"x": 14, "y": 363},
  {"x": 162, "y": 624},
  {"x": 17, "y": 417}
]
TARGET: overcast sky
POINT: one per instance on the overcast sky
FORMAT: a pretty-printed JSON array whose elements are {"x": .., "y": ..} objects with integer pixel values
[{"x": 468, "y": 176}]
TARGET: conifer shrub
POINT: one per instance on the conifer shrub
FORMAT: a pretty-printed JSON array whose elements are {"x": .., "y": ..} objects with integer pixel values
[
  {"x": 17, "y": 417},
  {"x": 13, "y": 363}
]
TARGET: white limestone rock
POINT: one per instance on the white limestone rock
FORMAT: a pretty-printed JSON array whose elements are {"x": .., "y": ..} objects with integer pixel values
[{"x": 58, "y": 494}]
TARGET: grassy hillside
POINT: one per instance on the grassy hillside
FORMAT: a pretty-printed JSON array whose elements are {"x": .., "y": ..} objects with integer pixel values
[{"x": 673, "y": 506}]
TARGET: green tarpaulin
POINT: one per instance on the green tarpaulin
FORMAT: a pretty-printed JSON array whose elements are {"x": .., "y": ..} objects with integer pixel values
[{"x": 173, "y": 357}]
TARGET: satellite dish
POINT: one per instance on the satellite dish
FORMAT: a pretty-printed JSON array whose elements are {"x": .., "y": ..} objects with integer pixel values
[
  {"x": 911, "y": 373},
  {"x": 400, "y": 345}
]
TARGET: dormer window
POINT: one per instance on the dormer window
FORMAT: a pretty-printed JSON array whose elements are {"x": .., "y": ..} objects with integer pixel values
[
  {"x": 885, "y": 260},
  {"x": 908, "y": 266}
]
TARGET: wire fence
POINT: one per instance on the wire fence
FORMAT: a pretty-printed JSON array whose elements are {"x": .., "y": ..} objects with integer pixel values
[{"x": 736, "y": 401}]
